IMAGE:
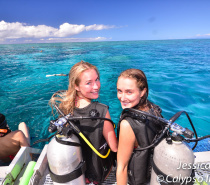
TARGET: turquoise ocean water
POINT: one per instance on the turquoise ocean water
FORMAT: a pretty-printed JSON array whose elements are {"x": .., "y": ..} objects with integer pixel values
[{"x": 178, "y": 73}]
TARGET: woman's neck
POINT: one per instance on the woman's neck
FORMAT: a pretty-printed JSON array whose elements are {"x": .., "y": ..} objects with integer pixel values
[
  {"x": 81, "y": 102},
  {"x": 144, "y": 107}
]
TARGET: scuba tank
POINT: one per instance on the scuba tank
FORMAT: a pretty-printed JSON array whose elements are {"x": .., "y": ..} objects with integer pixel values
[
  {"x": 64, "y": 155},
  {"x": 64, "y": 151},
  {"x": 65, "y": 158},
  {"x": 173, "y": 158},
  {"x": 171, "y": 163}
]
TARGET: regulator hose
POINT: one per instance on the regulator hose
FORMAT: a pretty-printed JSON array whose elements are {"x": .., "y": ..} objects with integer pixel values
[
  {"x": 198, "y": 139},
  {"x": 162, "y": 135},
  {"x": 76, "y": 129},
  {"x": 176, "y": 116},
  {"x": 43, "y": 140},
  {"x": 93, "y": 148},
  {"x": 165, "y": 122}
]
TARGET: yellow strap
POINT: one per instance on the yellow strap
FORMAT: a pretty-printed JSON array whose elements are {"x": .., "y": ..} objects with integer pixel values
[{"x": 92, "y": 147}]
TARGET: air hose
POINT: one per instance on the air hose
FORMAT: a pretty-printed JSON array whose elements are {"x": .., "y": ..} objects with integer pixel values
[
  {"x": 198, "y": 139},
  {"x": 76, "y": 129},
  {"x": 43, "y": 140},
  {"x": 175, "y": 117},
  {"x": 169, "y": 125},
  {"x": 93, "y": 148}
]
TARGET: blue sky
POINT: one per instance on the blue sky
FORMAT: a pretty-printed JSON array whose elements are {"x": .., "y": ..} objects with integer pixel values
[{"x": 41, "y": 21}]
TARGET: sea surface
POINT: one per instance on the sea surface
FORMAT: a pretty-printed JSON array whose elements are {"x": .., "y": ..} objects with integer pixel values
[{"x": 178, "y": 73}]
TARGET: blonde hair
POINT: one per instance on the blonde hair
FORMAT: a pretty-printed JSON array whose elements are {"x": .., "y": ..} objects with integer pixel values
[
  {"x": 141, "y": 82},
  {"x": 68, "y": 97}
]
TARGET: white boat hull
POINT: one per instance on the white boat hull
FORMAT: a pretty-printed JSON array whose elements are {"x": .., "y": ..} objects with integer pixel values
[{"x": 41, "y": 175}]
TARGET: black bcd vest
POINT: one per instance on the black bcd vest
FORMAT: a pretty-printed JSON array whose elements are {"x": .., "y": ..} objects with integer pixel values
[
  {"x": 97, "y": 167},
  {"x": 145, "y": 130}
]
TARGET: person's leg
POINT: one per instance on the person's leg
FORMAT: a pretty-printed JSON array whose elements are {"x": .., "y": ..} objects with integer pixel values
[{"x": 23, "y": 127}]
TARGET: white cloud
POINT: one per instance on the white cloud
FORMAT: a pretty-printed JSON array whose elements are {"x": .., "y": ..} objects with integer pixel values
[
  {"x": 67, "y": 29},
  {"x": 56, "y": 40},
  {"x": 203, "y": 36},
  {"x": 21, "y": 30},
  {"x": 92, "y": 39},
  {"x": 17, "y": 30},
  {"x": 98, "y": 27}
]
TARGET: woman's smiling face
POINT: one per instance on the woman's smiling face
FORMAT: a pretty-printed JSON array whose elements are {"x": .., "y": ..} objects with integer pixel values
[
  {"x": 128, "y": 93},
  {"x": 89, "y": 85}
]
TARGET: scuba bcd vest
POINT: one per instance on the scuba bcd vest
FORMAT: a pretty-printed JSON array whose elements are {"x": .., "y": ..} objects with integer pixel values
[
  {"x": 97, "y": 168},
  {"x": 145, "y": 129}
]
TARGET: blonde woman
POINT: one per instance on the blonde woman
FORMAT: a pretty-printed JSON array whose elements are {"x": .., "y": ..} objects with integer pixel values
[{"x": 84, "y": 86}]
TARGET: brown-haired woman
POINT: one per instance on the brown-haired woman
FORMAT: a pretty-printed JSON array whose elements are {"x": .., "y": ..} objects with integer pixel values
[{"x": 132, "y": 92}]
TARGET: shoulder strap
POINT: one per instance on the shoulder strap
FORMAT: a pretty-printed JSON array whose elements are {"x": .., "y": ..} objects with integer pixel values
[{"x": 70, "y": 176}]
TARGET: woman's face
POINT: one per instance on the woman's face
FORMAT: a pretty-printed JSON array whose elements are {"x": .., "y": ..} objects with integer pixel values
[
  {"x": 89, "y": 85},
  {"x": 128, "y": 93}
]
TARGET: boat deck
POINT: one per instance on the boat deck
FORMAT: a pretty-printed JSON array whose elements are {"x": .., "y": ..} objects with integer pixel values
[{"x": 41, "y": 174}]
